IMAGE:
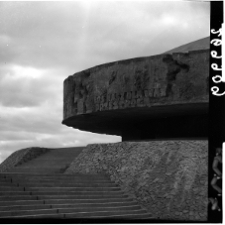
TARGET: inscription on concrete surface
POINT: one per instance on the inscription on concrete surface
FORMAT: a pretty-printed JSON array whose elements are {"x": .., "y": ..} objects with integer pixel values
[
  {"x": 122, "y": 100},
  {"x": 140, "y": 82}
]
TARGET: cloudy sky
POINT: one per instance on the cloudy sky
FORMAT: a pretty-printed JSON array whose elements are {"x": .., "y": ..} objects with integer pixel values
[{"x": 42, "y": 43}]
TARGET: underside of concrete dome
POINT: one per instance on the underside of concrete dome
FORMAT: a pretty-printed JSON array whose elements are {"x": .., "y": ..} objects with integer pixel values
[{"x": 162, "y": 96}]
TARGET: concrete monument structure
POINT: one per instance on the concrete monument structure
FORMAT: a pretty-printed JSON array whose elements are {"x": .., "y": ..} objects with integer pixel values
[
  {"x": 159, "y": 105},
  {"x": 129, "y": 97}
]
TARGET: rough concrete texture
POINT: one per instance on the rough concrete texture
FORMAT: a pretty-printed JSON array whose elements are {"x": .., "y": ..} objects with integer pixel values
[
  {"x": 21, "y": 156},
  {"x": 169, "y": 178},
  {"x": 146, "y": 83}
]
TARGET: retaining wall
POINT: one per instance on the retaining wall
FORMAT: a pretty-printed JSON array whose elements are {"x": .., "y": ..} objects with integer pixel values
[
  {"x": 168, "y": 178},
  {"x": 21, "y": 156}
]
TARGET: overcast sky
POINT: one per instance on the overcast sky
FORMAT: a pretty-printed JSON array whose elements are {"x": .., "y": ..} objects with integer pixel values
[{"x": 42, "y": 43}]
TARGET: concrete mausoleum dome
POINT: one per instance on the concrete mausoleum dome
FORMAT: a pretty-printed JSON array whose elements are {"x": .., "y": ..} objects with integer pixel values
[{"x": 157, "y": 97}]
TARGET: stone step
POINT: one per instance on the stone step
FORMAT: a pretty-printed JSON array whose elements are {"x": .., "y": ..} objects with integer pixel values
[
  {"x": 49, "y": 159},
  {"x": 36, "y": 216},
  {"x": 80, "y": 193},
  {"x": 74, "y": 196},
  {"x": 3, "y": 179},
  {"x": 9, "y": 185},
  {"x": 143, "y": 216},
  {"x": 56, "y": 176},
  {"x": 60, "y": 196},
  {"x": 27, "y": 212},
  {"x": 41, "y": 205},
  {"x": 18, "y": 197},
  {"x": 24, "y": 207},
  {"x": 52, "y": 154},
  {"x": 43, "y": 213},
  {"x": 98, "y": 209},
  {"x": 53, "y": 189},
  {"x": 94, "y": 205},
  {"x": 103, "y": 213},
  {"x": 46, "y": 162},
  {"x": 5, "y": 183},
  {"x": 22, "y": 202},
  {"x": 40, "y": 167},
  {"x": 68, "y": 202},
  {"x": 71, "y": 181},
  {"x": 58, "y": 189},
  {"x": 49, "y": 177},
  {"x": 11, "y": 188},
  {"x": 41, "y": 170},
  {"x": 88, "y": 201},
  {"x": 10, "y": 193},
  {"x": 37, "y": 184}
]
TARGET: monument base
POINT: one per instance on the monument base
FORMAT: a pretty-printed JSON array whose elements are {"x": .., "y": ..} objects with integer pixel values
[{"x": 168, "y": 178}]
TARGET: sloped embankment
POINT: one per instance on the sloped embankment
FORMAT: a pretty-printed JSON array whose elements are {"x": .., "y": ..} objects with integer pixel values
[
  {"x": 169, "y": 178},
  {"x": 21, "y": 156},
  {"x": 53, "y": 161}
]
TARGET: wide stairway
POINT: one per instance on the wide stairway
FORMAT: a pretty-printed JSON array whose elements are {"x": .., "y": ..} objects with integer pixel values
[{"x": 39, "y": 189}]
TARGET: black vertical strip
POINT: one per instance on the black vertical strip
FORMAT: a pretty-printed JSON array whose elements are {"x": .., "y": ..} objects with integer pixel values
[{"x": 216, "y": 102}]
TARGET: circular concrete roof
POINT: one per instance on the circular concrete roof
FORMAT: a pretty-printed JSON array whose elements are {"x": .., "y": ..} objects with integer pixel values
[{"x": 105, "y": 98}]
